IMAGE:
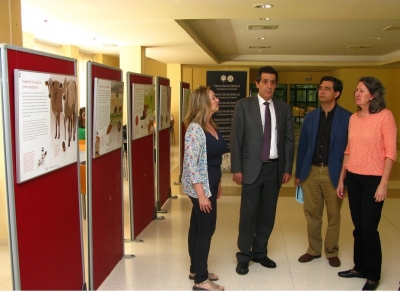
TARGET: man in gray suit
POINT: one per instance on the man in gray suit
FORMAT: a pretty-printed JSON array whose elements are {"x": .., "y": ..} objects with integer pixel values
[{"x": 260, "y": 163}]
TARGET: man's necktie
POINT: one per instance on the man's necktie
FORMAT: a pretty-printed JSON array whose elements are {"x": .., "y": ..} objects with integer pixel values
[{"x": 266, "y": 145}]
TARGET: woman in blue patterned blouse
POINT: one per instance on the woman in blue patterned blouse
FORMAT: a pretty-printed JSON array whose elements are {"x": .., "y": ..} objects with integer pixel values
[{"x": 201, "y": 180}]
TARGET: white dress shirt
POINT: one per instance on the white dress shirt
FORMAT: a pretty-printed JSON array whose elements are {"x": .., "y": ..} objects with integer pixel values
[{"x": 273, "y": 153}]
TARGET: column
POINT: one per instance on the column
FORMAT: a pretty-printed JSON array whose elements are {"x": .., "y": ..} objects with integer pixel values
[{"x": 131, "y": 59}]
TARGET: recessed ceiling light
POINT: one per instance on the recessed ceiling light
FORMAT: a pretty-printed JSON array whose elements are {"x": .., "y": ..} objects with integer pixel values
[
  {"x": 264, "y": 18},
  {"x": 260, "y": 38},
  {"x": 262, "y": 6},
  {"x": 377, "y": 39}
]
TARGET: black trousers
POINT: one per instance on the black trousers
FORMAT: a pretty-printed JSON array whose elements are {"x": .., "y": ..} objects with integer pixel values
[
  {"x": 366, "y": 214},
  {"x": 257, "y": 213},
  {"x": 201, "y": 230}
]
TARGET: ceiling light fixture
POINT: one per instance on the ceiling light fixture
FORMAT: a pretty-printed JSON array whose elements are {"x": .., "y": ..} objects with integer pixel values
[
  {"x": 260, "y": 38},
  {"x": 259, "y": 47},
  {"x": 376, "y": 39},
  {"x": 257, "y": 51},
  {"x": 261, "y": 27},
  {"x": 262, "y": 6},
  {"x": 392, "y": 27},
  {"x": 264, "y": 18},
  {"x": 351, "y": 47}
]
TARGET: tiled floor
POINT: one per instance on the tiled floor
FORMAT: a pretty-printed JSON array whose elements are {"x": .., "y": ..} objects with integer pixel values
[{"x": 162, "y": 261}]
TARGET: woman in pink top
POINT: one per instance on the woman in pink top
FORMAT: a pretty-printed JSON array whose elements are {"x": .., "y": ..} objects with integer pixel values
[{"x": 368, "y": 160}]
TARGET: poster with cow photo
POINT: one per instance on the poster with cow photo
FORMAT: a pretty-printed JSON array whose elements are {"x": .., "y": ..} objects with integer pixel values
[
  {"x": 45, "y": 119},
  {"x": 108, "y": 109},
  {"x": 143, "y": 110}
]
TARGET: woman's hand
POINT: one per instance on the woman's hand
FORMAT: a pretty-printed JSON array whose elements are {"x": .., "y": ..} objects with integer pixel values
[
  {"x": 341, "y": 190},
  {"x": 205, "y": 204},
  {"x": 381, "y": 193}
]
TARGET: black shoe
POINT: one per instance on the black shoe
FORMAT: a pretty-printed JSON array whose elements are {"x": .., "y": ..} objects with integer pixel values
[
  {"x": 242, "y": 268},
  {"x": 350, "y": 274},
  {"x": 266, "y": 262},
  {"x": 370, "y": 285}
]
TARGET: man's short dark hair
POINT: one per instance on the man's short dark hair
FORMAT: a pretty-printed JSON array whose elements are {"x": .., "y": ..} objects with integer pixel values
[
  {"x": 337, "y": 84},
  {"x": 266, "y": 69}
]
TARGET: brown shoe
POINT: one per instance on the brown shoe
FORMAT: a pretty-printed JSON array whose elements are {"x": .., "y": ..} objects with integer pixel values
[
  {"x": 305, "y": 258},
  {"x": 334, "y": 262}
]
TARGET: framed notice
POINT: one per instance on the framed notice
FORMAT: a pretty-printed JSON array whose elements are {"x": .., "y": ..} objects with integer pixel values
[
  {"x": 185, "y": 101},
  {"x": 229, "y": 87},
  {"x": 143, "y": 110},
  {"x": 46, "y": 120},
  {"x": 107, "y": 117},
  {"x": 165, "y": 107}
]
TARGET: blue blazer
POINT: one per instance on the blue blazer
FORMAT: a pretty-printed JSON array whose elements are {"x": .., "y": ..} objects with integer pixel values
[{"x": 308, "y": 137}]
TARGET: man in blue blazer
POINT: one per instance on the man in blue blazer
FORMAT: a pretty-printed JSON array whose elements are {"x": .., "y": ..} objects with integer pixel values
[
  {"x": 260, "y": 176},
  {"x": 323, "y": 139}
]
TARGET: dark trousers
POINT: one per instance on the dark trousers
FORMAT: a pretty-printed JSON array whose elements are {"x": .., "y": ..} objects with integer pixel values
[
  {"x": 366, "y": 214},
  {"x": 202, "y": 227},
  {"x": 257, "y": 213}
]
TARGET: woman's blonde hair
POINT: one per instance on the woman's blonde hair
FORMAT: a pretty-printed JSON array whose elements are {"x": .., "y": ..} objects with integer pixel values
[{"x": 199, "y": 108}]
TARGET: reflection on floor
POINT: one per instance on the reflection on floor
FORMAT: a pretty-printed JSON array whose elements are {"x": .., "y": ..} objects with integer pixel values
[{"x": 162, "y": 261}]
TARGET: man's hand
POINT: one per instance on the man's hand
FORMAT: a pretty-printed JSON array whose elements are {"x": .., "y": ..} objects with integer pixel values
[{"x": 237, "y": 178}]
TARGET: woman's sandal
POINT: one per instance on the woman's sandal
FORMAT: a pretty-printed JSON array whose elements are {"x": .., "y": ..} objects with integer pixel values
[
  {"x": 207, "y": 285},
  {"x": 211, "y": 276}
]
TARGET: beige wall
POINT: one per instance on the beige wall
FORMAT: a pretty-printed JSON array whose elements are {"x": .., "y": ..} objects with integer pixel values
[
  {"x": 10, "y": 33},
  {"x": 155, "y": 68},
  {"x": 174, "y": 74},
  {"x": 107, "y": 60}
]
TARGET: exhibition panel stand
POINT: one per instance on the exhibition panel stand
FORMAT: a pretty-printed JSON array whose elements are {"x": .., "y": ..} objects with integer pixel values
[
  {"x": 41, "y": 171},
  {"x": 163, "y": 116},
  {"x": 184, "y": 98},
  {"x": 140, "y": 142},
  {"x": 104, "y": 170}
]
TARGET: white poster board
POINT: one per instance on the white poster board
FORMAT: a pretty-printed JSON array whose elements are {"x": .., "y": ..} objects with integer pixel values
[
  {"x": 45, "y": 122},
  {"x": 107, "y": 117},
  {"x": 165, "y": 107},
  {"x": 143, "y": 110}
]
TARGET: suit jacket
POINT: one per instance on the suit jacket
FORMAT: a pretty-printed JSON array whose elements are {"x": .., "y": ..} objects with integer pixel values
[
  {"x": 308, "y": 137},
  {"x": 247, "y": 137}
]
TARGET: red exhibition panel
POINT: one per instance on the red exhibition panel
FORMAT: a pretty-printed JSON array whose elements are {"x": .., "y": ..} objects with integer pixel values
[
  {"x": 164, "y": 165},
  {"x": 106, "y": 200},
  {"x": 142, "y": 174},
  {"x": 47, "y": 207},
  {"x": 143, "y": 183},
  {"x": 106, "y": 215}
]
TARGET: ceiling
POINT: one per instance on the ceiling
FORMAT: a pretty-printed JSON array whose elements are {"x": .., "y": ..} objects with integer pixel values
[{"x": 311, "y": 35}]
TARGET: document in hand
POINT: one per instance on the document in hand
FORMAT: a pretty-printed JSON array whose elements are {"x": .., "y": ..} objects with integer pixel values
[{"x": 299, "y": 194}]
